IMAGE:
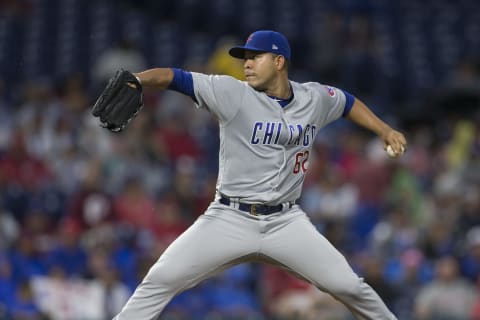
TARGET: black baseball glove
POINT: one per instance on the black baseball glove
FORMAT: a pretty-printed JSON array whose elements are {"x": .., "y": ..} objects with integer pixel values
[{"x": 119, "y": 102}]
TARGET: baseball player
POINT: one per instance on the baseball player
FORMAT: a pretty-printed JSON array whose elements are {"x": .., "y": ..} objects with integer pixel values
[{"x": 268, "y": 125}]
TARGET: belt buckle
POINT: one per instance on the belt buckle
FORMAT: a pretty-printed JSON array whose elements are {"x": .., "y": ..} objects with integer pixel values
[{"x": 253, "y": 210}]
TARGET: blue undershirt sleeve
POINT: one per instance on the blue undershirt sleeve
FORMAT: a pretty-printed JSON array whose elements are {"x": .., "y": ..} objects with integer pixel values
[
  {"x": 350, "y": 99},
  {"x": 182, "y": 82}
]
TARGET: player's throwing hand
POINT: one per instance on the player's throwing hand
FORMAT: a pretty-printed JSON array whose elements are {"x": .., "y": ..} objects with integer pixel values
[{"x": 394, "y": 143}]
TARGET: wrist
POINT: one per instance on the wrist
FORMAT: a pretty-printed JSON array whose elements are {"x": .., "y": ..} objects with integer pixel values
[
  {"x": 384, "y": 132},
  {"x": 138, "y": 78}
]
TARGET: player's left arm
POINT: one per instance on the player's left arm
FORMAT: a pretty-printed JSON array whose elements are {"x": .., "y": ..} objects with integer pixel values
[{"x": 363, "y": 116}]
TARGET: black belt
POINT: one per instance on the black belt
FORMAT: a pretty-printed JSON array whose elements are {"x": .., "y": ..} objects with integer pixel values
[{"x": 258, "y": 209}]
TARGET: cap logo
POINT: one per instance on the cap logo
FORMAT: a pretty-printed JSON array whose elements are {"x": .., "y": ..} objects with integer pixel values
[
  {"x": 330, "y": 91},
  {"x": 249, "y": 38},
  {"x": 274, "y": 47}
]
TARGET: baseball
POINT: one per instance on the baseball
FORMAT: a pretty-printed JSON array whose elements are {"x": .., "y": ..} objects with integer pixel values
[{"x": 392, "y": 153}]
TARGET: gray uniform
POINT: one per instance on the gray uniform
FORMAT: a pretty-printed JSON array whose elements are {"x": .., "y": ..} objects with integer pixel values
[{"x": 264, "y": 154}]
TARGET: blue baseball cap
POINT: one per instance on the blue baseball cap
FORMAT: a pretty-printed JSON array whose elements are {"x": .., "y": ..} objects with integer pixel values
[{"x": 263, "y": 41}]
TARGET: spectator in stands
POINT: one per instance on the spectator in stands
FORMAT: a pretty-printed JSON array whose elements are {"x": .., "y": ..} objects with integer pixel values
[
  {"x": 460, "y": 144},
  {"x": 232, "y": 295},
  {"x": 67, "y": 253},
  {"x": 372, "y": 270},
  {"x": 470, "y": 261},
  {"x": 9, "y": 228},
  {"x": 475, "y": 315},
  {"x": 21, "y": 168},
  {"x": 103, "y": 271},
  {"x": 134, "y": 207},
  {"x": 438, "y": 240},
  {"x": 27, "y": 260},
  {"x": 395, "y": 233},
  {"x": 89, "y": 206},
  {"x": 408, "y": 274},
  {"x": 285, "y": 296},
  {"x": 174, "y": 134},
  {"x": 6, "y": 117},
  {"x": 23, "y": 306},
  {"x": 332, "y": 198},
  {"x": 170, "y": 221},
  {"x": 470, "y": 208},
  {"x": 448, "y": 296},
  {"x": 185, "y": 187},
  {"x": 7, "y": 284}
]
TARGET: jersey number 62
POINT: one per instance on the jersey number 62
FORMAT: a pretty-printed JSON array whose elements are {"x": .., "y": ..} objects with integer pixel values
[{"x": 301, "y": 162}]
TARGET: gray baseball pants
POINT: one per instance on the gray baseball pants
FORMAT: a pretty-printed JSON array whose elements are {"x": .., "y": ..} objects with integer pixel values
[{"x": 224, "y": 236}]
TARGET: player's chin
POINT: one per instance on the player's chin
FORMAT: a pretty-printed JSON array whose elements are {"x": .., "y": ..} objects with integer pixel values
[{"x": 254, "y": 84}]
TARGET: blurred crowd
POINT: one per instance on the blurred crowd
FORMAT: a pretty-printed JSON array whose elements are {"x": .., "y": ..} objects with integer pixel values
[{"x": 84, "y": 212}]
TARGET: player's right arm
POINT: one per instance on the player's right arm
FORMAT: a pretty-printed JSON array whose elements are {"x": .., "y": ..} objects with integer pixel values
[{"x": 364, "y": 117}]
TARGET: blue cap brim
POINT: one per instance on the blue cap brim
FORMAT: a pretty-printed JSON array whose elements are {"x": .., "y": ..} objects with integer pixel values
[{"x": 239, "y": 52}]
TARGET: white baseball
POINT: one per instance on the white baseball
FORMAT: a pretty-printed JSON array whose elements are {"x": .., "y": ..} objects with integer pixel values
[{"x": 392, "y": 153}]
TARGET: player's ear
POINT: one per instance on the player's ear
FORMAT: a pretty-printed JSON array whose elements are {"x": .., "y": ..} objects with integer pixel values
[{"x": 280, "y": 62}]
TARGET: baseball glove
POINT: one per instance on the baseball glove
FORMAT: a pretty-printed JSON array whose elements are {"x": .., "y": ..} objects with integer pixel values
[{"x": 120, "y": 101}]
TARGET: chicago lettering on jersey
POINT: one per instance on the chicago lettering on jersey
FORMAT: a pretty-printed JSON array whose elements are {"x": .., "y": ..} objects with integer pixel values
[{"x": 264, "y": 132}]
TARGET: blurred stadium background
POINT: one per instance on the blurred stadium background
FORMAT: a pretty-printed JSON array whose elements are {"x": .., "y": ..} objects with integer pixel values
[{"x": 84, "y": 213}]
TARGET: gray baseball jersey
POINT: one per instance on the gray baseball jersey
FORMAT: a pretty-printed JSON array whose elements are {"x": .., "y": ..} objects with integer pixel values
[
  {"x": 264, "y": 148},
  {"x": 264, "y": 154}
]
